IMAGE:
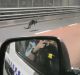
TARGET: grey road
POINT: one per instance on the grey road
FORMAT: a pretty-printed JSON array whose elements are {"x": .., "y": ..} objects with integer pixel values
[{"x": 15, "y": 28}]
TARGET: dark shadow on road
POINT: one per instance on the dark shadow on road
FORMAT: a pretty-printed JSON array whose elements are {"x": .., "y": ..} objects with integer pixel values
[{"x": 34, "y": 30}]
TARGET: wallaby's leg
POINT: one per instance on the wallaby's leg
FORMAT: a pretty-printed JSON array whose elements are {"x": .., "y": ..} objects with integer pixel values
[
  {"x": 35, "y": 26},
  {"x": 29, "y": 26}
]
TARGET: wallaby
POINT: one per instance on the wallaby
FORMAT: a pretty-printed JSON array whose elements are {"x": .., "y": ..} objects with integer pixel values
[{"x": 32, "y": 22}]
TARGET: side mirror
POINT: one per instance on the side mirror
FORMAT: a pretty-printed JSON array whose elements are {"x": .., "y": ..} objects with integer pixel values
[{"x": 38, "y": 55}]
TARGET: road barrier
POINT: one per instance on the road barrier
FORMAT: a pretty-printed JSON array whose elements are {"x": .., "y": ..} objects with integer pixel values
[{"x": 19, "y": 13}]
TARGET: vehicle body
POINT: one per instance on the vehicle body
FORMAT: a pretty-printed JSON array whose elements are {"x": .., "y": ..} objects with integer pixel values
[
  {"x": 70, "y": 36},
  {"x": 14, "y": 64}
]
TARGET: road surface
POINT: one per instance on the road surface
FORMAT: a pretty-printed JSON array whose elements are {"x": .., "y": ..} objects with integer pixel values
[{"x": 15, "y": 28}]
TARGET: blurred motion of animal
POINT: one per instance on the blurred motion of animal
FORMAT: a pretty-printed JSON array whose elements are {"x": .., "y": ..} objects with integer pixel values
[{"x": 32, "y": 22}]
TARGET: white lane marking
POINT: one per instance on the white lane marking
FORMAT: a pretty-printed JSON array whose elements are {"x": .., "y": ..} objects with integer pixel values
[
  {"x": 43, "y": 32},
  {"x": 73, "y": 24}
]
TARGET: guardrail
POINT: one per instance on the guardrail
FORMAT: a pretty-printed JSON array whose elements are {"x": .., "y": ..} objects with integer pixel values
[{"x": 19, "y": 13}]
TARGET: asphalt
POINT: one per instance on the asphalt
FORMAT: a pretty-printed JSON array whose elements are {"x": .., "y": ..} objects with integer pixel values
[{"x": 15, "y": 28}]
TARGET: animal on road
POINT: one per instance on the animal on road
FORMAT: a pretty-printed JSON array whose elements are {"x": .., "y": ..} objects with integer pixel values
[{"x": 32, "y": 22}]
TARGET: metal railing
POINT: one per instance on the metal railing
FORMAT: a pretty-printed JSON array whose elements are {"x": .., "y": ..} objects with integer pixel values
[{"x": 19, "y": 13}]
